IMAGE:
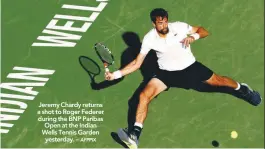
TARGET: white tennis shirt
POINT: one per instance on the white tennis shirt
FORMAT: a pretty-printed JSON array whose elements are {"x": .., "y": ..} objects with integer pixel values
[{"x": 172, "y": 55}]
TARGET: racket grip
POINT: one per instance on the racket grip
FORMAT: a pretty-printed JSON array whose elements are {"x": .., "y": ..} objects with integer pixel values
[{"x": 106, "y": 69}]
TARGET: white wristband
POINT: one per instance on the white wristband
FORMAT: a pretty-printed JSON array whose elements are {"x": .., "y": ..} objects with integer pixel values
[
  {"x": 117, "y": 74},
  {"x": 196, "y": 36}
]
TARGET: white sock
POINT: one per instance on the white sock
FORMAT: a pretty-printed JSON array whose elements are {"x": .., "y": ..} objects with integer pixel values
[
  {"x": 138, "y": 124},
  {"x": 238, "y": 86}
]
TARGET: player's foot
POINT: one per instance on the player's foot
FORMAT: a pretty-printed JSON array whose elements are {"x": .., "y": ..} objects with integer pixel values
[
  {"x": 130, "y": 139},
  {"x": 249, "y": 95}
]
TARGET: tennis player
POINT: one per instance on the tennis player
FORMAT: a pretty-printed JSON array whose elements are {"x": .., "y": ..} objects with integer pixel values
[{"x": 177, "y": 68}]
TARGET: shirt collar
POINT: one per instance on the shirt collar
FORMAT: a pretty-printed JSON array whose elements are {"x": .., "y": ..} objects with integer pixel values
[{"x": 156, "y": 34}]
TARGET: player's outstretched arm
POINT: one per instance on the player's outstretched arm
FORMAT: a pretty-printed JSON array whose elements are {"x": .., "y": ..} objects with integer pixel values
[{"x": 131, "y": 67}]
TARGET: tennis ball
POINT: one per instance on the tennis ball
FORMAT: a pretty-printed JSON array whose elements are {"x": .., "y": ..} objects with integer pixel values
[{"x": 234, "y": 134}]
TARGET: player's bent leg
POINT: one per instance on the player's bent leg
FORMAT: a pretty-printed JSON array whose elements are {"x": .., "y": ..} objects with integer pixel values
[
  {"x": 153, "y": 88},
  {"x": 242, "y": 90}
]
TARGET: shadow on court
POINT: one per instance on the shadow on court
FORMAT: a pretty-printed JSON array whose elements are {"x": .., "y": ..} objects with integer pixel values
[
  {"x": 133, "y": 43},
  {"x": 116, "y": 138},
  {"x": 93, "y": 69},
  {"x": 203, "y": 87},
  {"x": 147, "y": 69},
  {"x": 90, "y": 66}
]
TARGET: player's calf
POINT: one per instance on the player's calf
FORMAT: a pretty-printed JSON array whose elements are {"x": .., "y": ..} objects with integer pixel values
[
  {"x": 217, "y": 80},
  {"x": 242, "y": 91}
]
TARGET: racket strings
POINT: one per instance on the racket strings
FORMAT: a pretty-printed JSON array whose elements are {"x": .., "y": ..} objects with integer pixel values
[{"x": 104, "y": 53}]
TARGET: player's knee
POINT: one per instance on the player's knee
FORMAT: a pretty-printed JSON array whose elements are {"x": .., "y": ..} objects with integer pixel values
[{"x": 144, "y": 98}]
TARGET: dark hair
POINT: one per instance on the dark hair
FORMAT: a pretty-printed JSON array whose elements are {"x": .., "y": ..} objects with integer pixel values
[{"x": 158, "y": 12}]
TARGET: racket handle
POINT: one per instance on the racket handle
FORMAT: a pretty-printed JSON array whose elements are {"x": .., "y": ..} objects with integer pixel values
[{"x": 106, "y": 69}]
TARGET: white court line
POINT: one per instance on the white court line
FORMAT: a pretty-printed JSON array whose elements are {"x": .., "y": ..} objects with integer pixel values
[
  {"x": 114, "y": 34},
  {"x": 114, "y": 24},
  {"x": 118, "y": 30}
]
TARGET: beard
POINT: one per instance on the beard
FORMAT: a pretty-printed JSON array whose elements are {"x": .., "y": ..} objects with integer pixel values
[{"x": 164, "y": 31}]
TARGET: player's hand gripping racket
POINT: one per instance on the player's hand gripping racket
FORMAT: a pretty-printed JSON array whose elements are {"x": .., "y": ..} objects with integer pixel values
[{"x": 105, "y": 55}]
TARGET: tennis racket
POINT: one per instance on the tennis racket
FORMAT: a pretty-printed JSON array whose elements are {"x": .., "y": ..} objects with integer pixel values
[{"x": 105, "y": 55}]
